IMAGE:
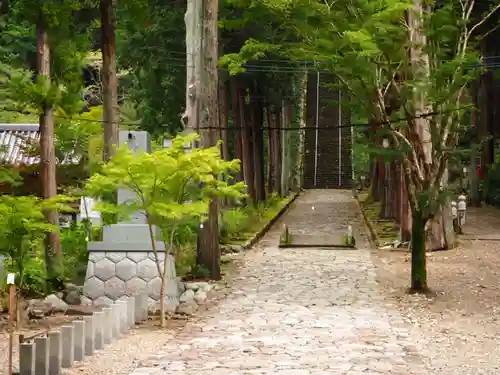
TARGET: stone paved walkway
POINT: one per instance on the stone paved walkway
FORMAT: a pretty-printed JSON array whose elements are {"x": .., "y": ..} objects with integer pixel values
[{"x": 297, "y": 312}]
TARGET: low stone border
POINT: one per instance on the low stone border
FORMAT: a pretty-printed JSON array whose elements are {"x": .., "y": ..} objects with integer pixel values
[
  {"x": 59, "y": 348},
  {"x": 374, "y": 239},
  {"x": 257, "y": 236}
]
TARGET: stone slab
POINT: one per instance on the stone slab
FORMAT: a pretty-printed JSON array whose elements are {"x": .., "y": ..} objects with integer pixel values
[{"x": 319, "y": 240}]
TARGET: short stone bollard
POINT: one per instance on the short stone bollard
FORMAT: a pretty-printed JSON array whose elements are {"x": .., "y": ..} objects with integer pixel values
[
  {"x": 138, "y": 308},
  {"x": 68, "y": 345},
  {"x": 41, "y": 356},
  {"x": 108, "y": 325},
  {"x": 116, "y": 320},
  {"x": 27, "y": 358},
  {"x": 98, "y": 330},
  {"x": 78, "y": 340},
  {"x": 89, "y": 335},
  {"x": 130, "y": 311},
  {"x": 55, "y": 352},
  {"x": 122, "y": 309}
]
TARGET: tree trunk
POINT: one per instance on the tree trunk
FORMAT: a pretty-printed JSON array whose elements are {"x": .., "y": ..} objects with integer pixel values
[
  {"x": 109, "y": 79},
  {"x": 256, "y": 120},
  {"x": 302, "y": 125},
  {"x": 246, "y": 142},
  {"x": 377, "y": 180},
  {"x": 473, "y": 177},
  {"x": 277, "y": 150},
  {"x": 406, "y": 217},
  {"x": 236, "y": 116},
  {"x": 208, "y": 254},
  {"x": 271, "y": 168},
  {"x": 486, "y": 119},
  {"x": 224, "y": 118},
  {"x": 418, "y": 256},
  {"x": 47, "y": 151}
]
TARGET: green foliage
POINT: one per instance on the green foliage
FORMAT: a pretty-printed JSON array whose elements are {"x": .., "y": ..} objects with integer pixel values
[
  {"x": 75, "y": 254},
  {"x": 156, "y": 75},
  {"x": 22, "y": 231},
  {"x": 172, "y": 187}
]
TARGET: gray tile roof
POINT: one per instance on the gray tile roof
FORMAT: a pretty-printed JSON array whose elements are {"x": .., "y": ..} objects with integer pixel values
[{"x": 15, "y": 142}]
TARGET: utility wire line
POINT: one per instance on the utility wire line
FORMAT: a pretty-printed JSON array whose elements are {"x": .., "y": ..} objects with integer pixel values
[{"x": 366, "y": 124}]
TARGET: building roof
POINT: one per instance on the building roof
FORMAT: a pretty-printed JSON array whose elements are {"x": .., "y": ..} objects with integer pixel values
[{"x": 15, "y": 141}]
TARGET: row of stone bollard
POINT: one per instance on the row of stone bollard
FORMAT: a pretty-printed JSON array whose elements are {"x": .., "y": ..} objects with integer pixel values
[{"x": 47, "y": 355}]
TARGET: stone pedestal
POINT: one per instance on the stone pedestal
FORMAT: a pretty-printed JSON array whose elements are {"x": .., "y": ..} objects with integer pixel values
[{"x": 124, "y": 262}]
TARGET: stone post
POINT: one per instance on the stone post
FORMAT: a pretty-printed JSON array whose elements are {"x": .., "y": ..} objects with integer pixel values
[
  {"x": 41, "y": 356},
  {"x": 67, "y": 346},
  {"x": 141, "y": 307},
  {"x": 55, "y": 352},
  {"x": 79, "y": 340},
  {"x": 122, "y": 308},
  {"x": 116, "y": 320},
  {"x": 99, "y": 330},
  {"x": 108, "y": 325},
  {"x": 27, "y": 358},
  {"x": 130, "y": 311},
  {"x": 89, "y": 335}
]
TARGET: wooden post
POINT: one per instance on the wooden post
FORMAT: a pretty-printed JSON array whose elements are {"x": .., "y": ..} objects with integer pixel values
[{"x": 12, "y": 307}]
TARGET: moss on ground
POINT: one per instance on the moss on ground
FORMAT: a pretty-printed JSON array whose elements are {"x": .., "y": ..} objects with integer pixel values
[{"x": 386, "y": 230}]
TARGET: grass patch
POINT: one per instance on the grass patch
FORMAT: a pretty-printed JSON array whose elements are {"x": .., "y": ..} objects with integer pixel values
[
  {"x": 236, "y": 226},
  {"x": 240, "y": 224},
  {"x": 386, "y": 230}
]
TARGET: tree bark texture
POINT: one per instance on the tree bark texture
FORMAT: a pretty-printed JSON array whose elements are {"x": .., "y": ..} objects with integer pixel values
[
  {"x": 47, "y": 148},
  {"x": 418, "y": 255},
  {"x": 224, "y": 118},
  {"x": 109, "y": 78},
  {"x": 208, "y": 254},
  {"x": 237, "y": 124},
  {"x": 277, "y": 152},
  {"x": 247, "y": 146},
  {"x": 274, "y": 170},
  {"x": 256, "y": 121},
  {"x": 302, "y": 126}
]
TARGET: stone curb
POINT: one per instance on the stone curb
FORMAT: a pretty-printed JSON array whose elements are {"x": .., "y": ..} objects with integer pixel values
[
  {"x": 57, "y": 349},
  {"x": 257, "y": 236},
  {"x": 374, "y": 239}
]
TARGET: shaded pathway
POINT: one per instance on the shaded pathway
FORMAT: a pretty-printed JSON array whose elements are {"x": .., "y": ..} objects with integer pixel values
[{"x": 297, "y": 312}]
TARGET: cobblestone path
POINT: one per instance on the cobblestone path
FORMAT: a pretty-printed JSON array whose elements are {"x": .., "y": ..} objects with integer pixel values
[{"x": 297, "y": 312}]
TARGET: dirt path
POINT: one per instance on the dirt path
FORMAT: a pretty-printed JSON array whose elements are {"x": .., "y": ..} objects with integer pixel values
[{"x": 459, "y": 326}]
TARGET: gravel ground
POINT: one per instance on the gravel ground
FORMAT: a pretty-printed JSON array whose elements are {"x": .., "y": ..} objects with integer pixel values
[{"x": 458, "y": 327}]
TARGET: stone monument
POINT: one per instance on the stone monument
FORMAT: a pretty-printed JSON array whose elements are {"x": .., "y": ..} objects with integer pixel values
[{"x": 124, "y": 263}]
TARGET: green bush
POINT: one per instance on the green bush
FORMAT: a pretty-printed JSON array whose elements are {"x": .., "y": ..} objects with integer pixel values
[{"x": 75, "y": 254}]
